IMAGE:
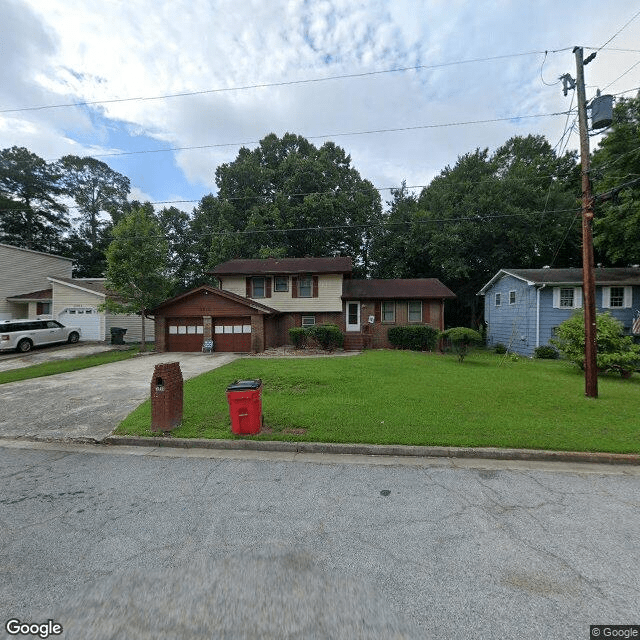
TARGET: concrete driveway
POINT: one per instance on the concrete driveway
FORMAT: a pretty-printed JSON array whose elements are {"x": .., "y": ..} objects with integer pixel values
[{"x": 87, "y": 405}]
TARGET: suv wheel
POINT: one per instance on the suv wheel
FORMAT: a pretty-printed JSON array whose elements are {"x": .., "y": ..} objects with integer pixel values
[
  {"x": 73, "y": 337},
  {"x": 24, "y": 345}
]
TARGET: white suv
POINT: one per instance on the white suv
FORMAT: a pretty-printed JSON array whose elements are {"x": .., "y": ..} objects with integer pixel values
[{"x": 23, "y": 335}]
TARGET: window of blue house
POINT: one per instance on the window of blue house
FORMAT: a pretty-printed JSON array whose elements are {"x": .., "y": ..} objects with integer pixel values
[
  {"x": 498, "y": 299},
  {"x": 512, "y": 297},
  {"x": 566, "y": 297}
]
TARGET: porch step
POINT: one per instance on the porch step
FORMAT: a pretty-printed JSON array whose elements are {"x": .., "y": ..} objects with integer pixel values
[{"x": 354, "y": 342}]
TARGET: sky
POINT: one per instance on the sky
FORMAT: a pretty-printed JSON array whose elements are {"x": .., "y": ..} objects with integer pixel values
[{"x": 389, "y": 81}]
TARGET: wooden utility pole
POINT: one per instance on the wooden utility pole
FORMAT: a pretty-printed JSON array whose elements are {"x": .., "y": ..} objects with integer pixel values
[{"x": 588, "y": 275}]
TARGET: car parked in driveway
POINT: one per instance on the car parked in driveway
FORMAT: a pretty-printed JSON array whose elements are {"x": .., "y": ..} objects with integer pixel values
[{"x": 23, "y": 335}]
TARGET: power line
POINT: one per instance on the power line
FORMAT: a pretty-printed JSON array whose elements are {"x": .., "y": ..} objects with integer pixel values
[
  {"x": 265, "y": 85},
  {"x": 633, "y": 66},
  {"x": 336, "y": 135},
  {"x": 619, "y": 31}
]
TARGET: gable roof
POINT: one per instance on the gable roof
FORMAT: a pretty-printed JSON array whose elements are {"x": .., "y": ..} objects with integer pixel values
[
  {"x": 42, "y": 253},
  {"x": 395, "y": 289},
  {"x": 247, "y": 302},
  {"x": 283, "y": 266},
  {"x": 92, "y": 285},
  {"x": 605, "y": 276}
]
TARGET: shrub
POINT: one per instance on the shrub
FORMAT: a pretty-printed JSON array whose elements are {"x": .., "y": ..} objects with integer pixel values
[
  {"x": 461, "y": 339},
  {"x": 616, "y": 352},
  {"x": 500, "y": 348},
  {"x": 328, "y": 336},
  {"x": 546, "y": 352},
  {"x": 415, "y": 337},
  {"x": 298, "y": 336}
]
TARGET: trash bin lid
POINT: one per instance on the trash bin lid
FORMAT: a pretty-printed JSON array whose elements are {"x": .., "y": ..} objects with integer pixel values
[{"x": 245, "y": 385}]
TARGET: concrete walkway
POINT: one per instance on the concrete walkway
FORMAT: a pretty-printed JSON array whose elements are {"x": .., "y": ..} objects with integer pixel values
[{"x": 85, "y": 406}]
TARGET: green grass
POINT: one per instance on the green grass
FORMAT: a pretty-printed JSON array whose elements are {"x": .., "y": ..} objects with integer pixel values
[
  {"x": 400, "y": 397},
  {"x": 64, "y": 366}
]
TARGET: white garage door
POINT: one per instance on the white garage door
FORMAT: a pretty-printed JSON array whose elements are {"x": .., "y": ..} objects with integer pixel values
[{"x": 87, "y": 318}]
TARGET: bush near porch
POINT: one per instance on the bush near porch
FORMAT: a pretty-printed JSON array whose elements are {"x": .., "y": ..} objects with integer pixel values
[{"x": 406, "y": 397}]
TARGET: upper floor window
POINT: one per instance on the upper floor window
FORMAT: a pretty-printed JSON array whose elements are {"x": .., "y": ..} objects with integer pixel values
[
  {"x": 305, "y": 287},
  {"x": 415, "y": 310},
  {"x": 617, "y": 297},
  {"x": 388, "y": 311},
  {"x": 281, "y": 283},
  {"x": 498, "y": 299},
  {"x": 257, "y": 287},
  {"x": 512, "y": 297},
  {"x": 566, "y": 297}
]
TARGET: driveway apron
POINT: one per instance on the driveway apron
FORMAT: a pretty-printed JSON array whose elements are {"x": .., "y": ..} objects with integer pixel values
[{"x": 87, "y": 405}]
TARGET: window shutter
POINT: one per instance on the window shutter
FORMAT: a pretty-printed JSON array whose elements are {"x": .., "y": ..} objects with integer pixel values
[
  {"x": 248, "y": 287},
  {"x": 556, "y": 297},
  {"x": 577, "y": 298},
  {"x": 628, "y": 297},
  {"x": 378, "y": 312},
  {"x": 267, "y": 287},
  {"x": 315, "y": 286},
  {"x": 294, "y": 286}
]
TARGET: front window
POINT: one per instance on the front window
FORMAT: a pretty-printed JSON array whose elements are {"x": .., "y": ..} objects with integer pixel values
[
  {"x": 281, "y": 283},
  {"x": 566, "y": 297},
  {"x": 308, "y": 321},
  {"x": 257, "y": 287},
  {"x": 415, "y": 311},
  {"x": 616, "y": 298},
  {"x": 388, "y": 312},
  {"x": 305, "y": 287}
]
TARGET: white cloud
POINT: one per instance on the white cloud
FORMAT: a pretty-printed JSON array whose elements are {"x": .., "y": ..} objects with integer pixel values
[{"x": 95, "y": 50}]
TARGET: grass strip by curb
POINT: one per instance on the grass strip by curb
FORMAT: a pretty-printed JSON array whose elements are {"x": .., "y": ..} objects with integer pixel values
[{"x": 65, "y": 366}]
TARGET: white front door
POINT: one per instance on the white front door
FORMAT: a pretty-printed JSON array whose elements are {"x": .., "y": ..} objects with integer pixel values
[{"x": 353, "y": 316}]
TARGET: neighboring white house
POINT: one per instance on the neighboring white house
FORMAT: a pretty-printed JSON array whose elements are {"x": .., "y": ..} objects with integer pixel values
[
  {"x": 25, "y": 291},
  {"x": 76, "y": 301},
  {"x": 40, "y": 285}
]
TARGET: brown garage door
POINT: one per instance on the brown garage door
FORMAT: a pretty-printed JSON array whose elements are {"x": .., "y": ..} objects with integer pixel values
[
  {"x": 185, "y": 334},
  {"x": 232, "y": 334}
]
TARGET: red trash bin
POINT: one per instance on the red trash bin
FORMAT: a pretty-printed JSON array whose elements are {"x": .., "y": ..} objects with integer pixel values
[{"x": 245, "y": 406}]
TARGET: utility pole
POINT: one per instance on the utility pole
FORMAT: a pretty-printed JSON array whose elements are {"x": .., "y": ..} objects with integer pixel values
[{"x": 588, "y": 275}]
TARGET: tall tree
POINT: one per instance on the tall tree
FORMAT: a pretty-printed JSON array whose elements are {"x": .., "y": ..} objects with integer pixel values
[
  {"x": 98, "y": 191},
  {"x": 137, "y": 265},
  {"x": 288, "y": 197},
  {"x": 616, "y": 170},
  {"x": 32, "y": 215}
]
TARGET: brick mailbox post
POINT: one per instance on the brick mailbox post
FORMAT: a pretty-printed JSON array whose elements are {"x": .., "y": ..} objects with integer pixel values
[{"x": 166, "y": 396}]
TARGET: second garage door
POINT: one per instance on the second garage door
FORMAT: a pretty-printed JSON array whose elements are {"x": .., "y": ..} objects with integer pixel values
[{"x": 232, "y": 334}]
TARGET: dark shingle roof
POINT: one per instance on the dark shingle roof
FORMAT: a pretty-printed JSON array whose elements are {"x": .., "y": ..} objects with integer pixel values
[
  {"x": 43, "y": 294},
  {"x": 283, "y": 265},
  {"x": 91, "y": 284},
  {"x": 604, "y": 276},
  {"x": 395, "y": 289}
]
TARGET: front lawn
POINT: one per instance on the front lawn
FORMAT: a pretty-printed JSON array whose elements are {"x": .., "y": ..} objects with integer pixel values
[
  {"x": 401, "y": 397},
  {"x": 64, "y": 366}
]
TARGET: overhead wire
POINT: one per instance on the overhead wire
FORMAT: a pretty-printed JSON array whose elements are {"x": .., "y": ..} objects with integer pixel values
[
  {"x": 619, "y": 31},
  {"x": 264, "y": 85}
]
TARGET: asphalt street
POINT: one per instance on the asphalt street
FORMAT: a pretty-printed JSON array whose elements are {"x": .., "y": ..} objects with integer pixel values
[{"x": 133, "y": 542}]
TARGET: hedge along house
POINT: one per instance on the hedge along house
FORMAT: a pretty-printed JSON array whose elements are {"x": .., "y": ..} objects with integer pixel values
[
  {"x": 522, "y": 307},
  {"x": 260, "y": 300}
]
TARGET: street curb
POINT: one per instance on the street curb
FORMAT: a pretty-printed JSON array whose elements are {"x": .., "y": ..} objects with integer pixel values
[{"x": 379, "y": 450}]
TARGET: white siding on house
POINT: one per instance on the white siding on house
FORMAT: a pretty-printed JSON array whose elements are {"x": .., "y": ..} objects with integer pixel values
[
  {"x": 329, "y": 294},
  {"x": 66, "y": 297},
  {"x": 24, "y": 271},
  {"x": 132, "y": 324}
]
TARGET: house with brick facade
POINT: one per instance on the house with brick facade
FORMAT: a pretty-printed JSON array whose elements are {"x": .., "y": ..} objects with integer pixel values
[{"x": 258, "y": 301}]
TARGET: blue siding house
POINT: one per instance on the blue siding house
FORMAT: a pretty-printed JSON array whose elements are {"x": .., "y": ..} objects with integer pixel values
[{"x": 522, "y": 307}]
